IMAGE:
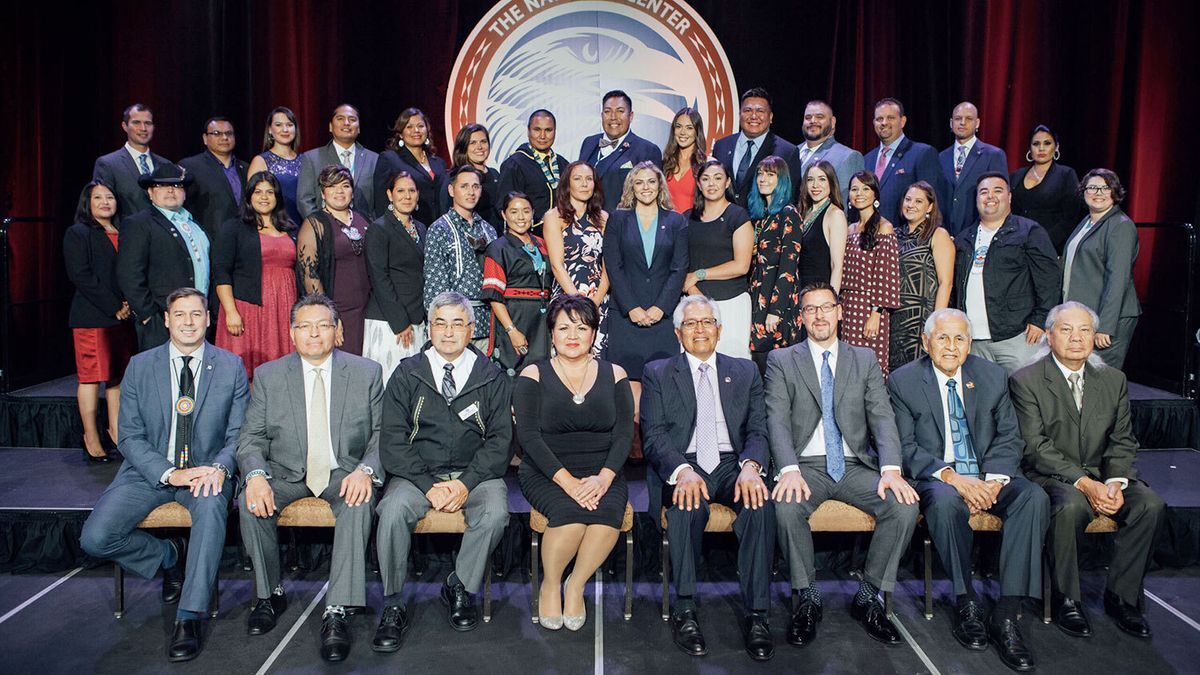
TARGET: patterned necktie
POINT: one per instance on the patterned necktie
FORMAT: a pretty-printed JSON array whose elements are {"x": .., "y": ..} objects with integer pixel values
[
  {"x": 804, "y": 155},
  {"x": 965, "y": 462},
  {"x": 882, "y": 162},
  {"x": 960, "y": 160},
  {"x": 747, "y": 157},
  {"x": 183, "y": 415},
  {"x": 143, "y": 164},
  {"x": 835, "y": 455},
  {"x": 347, "y": 159},
  {"x": 708, "y": 456},
  {"x": 1076, "y": 390},
  {"x": 317, "y": 470},
  {"x": 449, "y": 391}
]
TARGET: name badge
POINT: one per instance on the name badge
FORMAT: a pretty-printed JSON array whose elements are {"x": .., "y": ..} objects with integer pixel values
[{"x": 468, "y": 411}]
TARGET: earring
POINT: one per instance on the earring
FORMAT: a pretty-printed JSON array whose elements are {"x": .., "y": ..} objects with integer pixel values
[
  {"x": 1029, "y": 156},
  {"x": 876, "y": 203},
  {"x": 1056, "y": 155}
]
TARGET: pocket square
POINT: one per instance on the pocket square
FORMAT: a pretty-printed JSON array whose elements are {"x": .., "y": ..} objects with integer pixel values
[
  {"x": 901, "y": 171},
  {"x": 627, "y": 165}
]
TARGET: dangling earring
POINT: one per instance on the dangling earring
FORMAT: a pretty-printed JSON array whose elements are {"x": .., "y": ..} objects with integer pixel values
[
  {"x": 1056, "y": 154},
  {"x": 876, "y": 203},
  {"x": 1029, "y": 156}
]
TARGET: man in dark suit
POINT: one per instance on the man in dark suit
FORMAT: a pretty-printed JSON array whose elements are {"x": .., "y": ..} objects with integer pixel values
[
  {"x": 898, "y": 161},
  {"x": 534, "y": 168},
  {"x": 218, "y": 177},
  {"x": 312, "y": 429},
  {"x": 121, "y": 168},
  {"x": 741, "y": 152},
  {"x": 162, "y": 248},
  {"x": 1006, "y": 277},
  {"x": 344, "y": 149},
  {"x": 1074, "y": 415},
  {"x": 833, "y": 436},
  {"x": 962, "y": 449},
  {"x": 963, "y": 163},
  {"x": 182, "y": 406},
  {"x": 819, "y": 144},
  {"x": 704, "y": 431},
  {"x": 617, "y": 150}
]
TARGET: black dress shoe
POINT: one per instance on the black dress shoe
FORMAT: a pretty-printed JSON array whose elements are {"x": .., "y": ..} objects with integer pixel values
[
  {"x": 98, "y": 459},
  {"x": 185, "y": 642},
  {"x": 1007, "y": 638},
  {"x": 803, "y": 629},
  {"x": 1069, "y": 617},
  {"x": 756, "y": 634},
  {"x": 969, "y": 627},
  {"x": 1128, "y": 617},
  {"x": 685, "y": 632},
  {"x": 172, "y": 585},
  {"x": 874, "y": 620},
  {"x": 392, "y": 627},
  {"x": 335, "y": 636},
  {"x": 265, "y": 613},
  {"x": 463, "y": 616}
]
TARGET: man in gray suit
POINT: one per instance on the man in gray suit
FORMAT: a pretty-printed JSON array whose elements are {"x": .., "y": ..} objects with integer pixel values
[
  {"x": 312, "y": 429},
  {"x": 833, "y": 436},
  {"x": 343, "y": 149},
  {"x": 121, "y": 168},
  {"x": 962, "y": 448},
  {"x": 819, "y": 144},
  {"x": 182, "y": 405}
]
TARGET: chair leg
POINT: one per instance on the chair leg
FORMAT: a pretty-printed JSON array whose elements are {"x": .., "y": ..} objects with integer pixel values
[
  {"x": 629, "y": 575},
  {"x": 119, "y": 588},
  {"x": 214, "y": 603},
  {"x": 535, "y": 561},
  {"x": 1045, "y": 590},
  {"x": 487, "y": 594},
  {"x": 666, "y": 576},
  {"x": 927, "y": 553}
]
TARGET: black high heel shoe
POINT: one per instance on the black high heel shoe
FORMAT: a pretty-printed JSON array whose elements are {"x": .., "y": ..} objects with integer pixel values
[{"x": 103, "y": 459}]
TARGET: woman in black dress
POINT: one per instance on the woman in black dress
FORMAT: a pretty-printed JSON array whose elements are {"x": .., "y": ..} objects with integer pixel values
[
  {"x": 473, "y": 145},
  {"x": 1045, "y": 191},
  {"x": 574, "y": 419},
  {"x": 823, "y": 244},
  {"x": 411, "y": 148},
  {"x": 516, "y": 282}
]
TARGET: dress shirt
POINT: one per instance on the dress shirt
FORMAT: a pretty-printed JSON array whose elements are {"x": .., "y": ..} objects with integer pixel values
[
  {"x": 976, "y": 304},
  {"x": 739, "y": 148},
  {"x": 176, "y": 360},
  {"x": 1066, "y": 373},
  {"x": 969, "y": 145},
  {"x": 724, "y": 445},
  {"x": 310, "y": 378},
  {"x": 462, "y": 368},
  {"x": 135, "y": 153},
  {"x": 806, "y": 154},
  {"x": 605, "y": 152},
  {"x": 232, "y": 177},
  {"x": 891, "y": 154},
  {"x": 338, "y": 149},
  {"x": 948, "y": 450},
  {"x": 196, "y": 242}
]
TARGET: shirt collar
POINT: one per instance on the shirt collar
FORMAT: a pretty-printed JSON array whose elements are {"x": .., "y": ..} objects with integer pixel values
[
  {"x": 894, "y": 144},
  {"x": 324, "y": 365},
  {"x": 694, "y": 363},
  {"x": 337, "y": 148},
  {"x": 1066, "y": 372},
  {"x": 816, "y": 350},
  {"x": 174, "y": 215},
  {"x": 174, "y": 352},
  {"x": 969, "y": 145},
  {"x": 135, "y": 152},
  {"x": 758, "y": 140},
  {"x": 439, "y": 363},
  {"x": 942, "y": 378}
]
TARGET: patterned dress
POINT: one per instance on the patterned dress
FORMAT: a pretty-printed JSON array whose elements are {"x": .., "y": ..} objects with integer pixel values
[
  {"x": 773, "y": 280},
  {"x": 918, "y": 290},
  {"x": 288, "y": 173},
  {"x": 583, "y": 257},
  {"x": 870, "y": 279}
]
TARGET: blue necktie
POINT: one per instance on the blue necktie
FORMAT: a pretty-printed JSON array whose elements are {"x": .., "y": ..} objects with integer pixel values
[
  {"x": 965, "y": 463},
  {"x": 835, "y": 456},
  {"x": 144, "y": 164},
  {"x": 747, "y": 157}
]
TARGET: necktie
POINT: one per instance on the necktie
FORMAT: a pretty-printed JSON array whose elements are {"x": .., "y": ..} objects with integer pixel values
[
  {"x": 347, "y": 159},
  {"x": 183, "y": 415},
  {"x": 317, "y": 470},
  {"x": 708, "y": 456},
  {"x": 449, "y": 391},
  {"x": 835, "y": 455},
  {"x": 960, "y": 160},
  {"x": 747, "y": 157},
  {"x": 1076, "y": 390},
  {"x": 965, "y": 462},
  {"x": 882, "y": 162},
  {"x": 143, "y": 164},
  {"x": 804, "y": 155}
]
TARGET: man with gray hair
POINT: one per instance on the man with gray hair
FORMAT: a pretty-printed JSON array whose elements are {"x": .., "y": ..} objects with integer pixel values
[
  {"x": 444, "y": 444},
  {"x": 962, "y": 449},
  {"x": 1074, "y": 416}
]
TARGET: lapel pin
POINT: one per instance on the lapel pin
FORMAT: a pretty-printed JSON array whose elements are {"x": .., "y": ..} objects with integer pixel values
[
  {"x": 970, "y": 385},
  {"x": 728, "y": 379}
]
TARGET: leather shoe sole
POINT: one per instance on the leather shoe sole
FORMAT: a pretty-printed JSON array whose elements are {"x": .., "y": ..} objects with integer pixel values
[{"x": 977, "y": 643}]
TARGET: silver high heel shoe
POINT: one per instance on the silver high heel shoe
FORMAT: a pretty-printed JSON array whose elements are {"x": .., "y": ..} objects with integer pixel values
[{"x": 574, "y": 623}]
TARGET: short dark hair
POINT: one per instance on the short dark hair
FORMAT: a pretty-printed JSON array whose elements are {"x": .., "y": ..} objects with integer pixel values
[
  {"x": 541, "y": 112},
  {"x": 819, "y": 101},
  {"x": 1110, "y": 178},
  {"x": 186, "y": 292},
  {"x": 460, "y": 170},
  {"x": 756, "y": 92},
  {"x": 314, "y": 300},
  {"x": 515, "y": 194},
  {"x": 618, "y": 93},
  {"x": 215, "y": 118},
  {"x": 343, "y": 104},
  {"x": 991, "y": 174},
  {"x": 888, "y": 100},
  {"x": 577, "y": 307},
  {"x": 814, "y": 286},
  {"x": 334, "y": 174},
  {"x": 83, "y": 212},
  {"x": 136, "y": 107},
  {"x": 395, "y": 175}
]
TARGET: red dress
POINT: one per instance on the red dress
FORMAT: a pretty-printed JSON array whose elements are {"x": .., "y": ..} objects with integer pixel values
[
  {"x": 265, "y": 336},
  {"x": 683, "y": 191},
  {"x": 870, "y": 279}
]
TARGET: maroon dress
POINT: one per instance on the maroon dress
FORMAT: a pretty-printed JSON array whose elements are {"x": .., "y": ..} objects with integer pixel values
[
  {"x": 352, "y": 285},
  {"x": 870, "y": 279},
  {"x": 265, "y": 336}
]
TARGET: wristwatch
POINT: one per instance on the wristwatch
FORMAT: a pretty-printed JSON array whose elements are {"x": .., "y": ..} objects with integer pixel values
[
  {"x": 511, "y": 328},
  {"x": 370, "y": 473},
  {"x": 701, "y": 274}
]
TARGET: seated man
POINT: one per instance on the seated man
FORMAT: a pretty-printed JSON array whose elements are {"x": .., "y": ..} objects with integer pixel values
[
  {"x": 178, "y": 440},
  {"x": 962, "y": 448},
  {"x": 826, "y": 402},
  {"x": 705, "y": 434},
  {"x": 445, "y": 446},
  {"x": 312, "y": 429},
  {"x": 1074, "y": 415}
]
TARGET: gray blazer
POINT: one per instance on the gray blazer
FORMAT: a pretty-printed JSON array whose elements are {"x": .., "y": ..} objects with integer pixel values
[
  {"x": 846, "y": 162},
  {"x": 861, "y": 405},
  {"x": 275, "y": 435},
  {"x": 308, "y": 193},
  {"x": 1102, "y": 269},
  {"x": 118, "y": 171}
]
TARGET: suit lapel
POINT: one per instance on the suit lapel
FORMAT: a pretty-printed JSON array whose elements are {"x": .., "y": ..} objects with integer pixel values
[
  {"x": 207, "y": 369},
  {"x": 219, "y": 171},
  {"x": 970, "y": 403},
  {"x": 686, "y": 396},
  {"x": 1093, "y": 386},
  {"x": 1058, "y": 386},
  {"x": 841, "y": 373},
  {"x": 162, "y": 364},
  {"x": 337, "y": 404},
  {"x": 360, "y": 163},
  {"x": 969, "y": 163},
  {"x": 170, "y": 228},
  {"x": 803, "y": 358},
  {"x": 933, "y": 395},
  {"x": 726, "y": 387},
  {"x": 295, "y": 386},
  {"x": 894, "y": 160},
  {"x": 131, "y": 166},
  {"x": 659, "y": 249}
]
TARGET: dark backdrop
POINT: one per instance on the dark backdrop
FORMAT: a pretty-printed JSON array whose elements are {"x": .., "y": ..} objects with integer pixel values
[{"x": 1116, "y": 79}]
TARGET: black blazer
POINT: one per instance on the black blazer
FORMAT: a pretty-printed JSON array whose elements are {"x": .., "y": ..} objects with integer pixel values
[
  {"x": 668, "y": 410},
  {"x": 771, "y": 145},
  {"x": 152, "y": 261},
  {"x": 118, "y": 171},
  {"x": 396, "y": 266},
  {"x": 1053, "y": 203},
  {"x": 209, "y": 198},
  {"x": 611, "y": 172},
  {"x": 430, "y": 189},
  {"x": 89, "y": 256},
  {"x": 237, "y": 260},
  {"x": 522, "y": 173}
]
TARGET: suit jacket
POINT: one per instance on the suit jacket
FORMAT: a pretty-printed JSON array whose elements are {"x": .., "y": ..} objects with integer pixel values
[
  {"x": 432, "y": 190},
  {"x": 522, "y": 173},
  {"x": 275, "y": 435},
  {"x": 118, "y": 171},
  {"x": 1102, "y": 269},
  {"x": 668, "y": 411},
  {"x": 308, "y": 193},
  {"x": 152, "y": 261},
  {"x": 771, "y": 145},
  {"x": 960, "y": 210},
  {"x": 611, "y": 171},
  {"x": 910, "y": 163},
  {"x": 209, "y": 197},
  {"x": 1021, "y": 278},
  {"x": 1063, "y": 443},
  {"x": 146, "y": 406},
  {"x": 861, "y": 406},
  {"x": 917, "y": 400},
  {"x": 396, "y": 267},
  {"x": 89, "y": 259},
  {"x": 846, "y": 162}
]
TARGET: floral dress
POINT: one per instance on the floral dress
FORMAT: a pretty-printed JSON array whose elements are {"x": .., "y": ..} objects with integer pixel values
[
  {"x": 583, "y": 257},
  {"x": 774, "y": 278}
]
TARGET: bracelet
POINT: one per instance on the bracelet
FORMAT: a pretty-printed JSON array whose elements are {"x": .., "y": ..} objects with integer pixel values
[{"x": 510, "y": 328}]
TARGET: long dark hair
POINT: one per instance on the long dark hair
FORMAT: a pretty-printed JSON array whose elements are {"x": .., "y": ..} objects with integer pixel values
[
  {"x": 83, "y": 212},
  {"x": 835, "y": 188},
  {"x": 928, "y": 226},
  {"x": 268, "y": 140},
  {"x": 462, "y": 139},
  {"x": 868, "y": 232},
  {"x": 562, "y": 196},
  {"x": 670, "y": 163},
  {"x": 698, "y": 206},
  {"x": 279, "y": 216},
  {"x": 396, "y": 141}
]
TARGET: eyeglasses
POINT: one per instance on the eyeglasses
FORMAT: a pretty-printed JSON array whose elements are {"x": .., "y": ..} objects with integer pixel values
[
  {"x": 1098, "y": 189},
  {"x": 306, "y": 327},
  {"x": 220, "y": 134},
  {"x": 703, "y": 323},
  {"x": 456, "y": 326},
  {"x": 811, "y": 310}
]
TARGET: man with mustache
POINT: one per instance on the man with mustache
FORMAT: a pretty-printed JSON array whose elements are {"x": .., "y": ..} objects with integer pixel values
[{"x": 819, "y": 144}]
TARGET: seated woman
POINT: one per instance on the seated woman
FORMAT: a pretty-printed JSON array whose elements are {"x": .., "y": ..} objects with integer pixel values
[
  {"x": 574, "y": 419},
  {"x": 516, "y": 282}
]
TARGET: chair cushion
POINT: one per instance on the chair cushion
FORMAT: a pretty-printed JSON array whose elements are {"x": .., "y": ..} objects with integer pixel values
[
  {"x": 437, "y": 522},
  {"x": 307, "y": 512},
  {"x": 1102, "y": 524},
  {"x": 538, "y": 522},
  {"x": 985, "y": 522},
  {"x": 835, "y": 516},
  {"x": 171, "y": 514}
]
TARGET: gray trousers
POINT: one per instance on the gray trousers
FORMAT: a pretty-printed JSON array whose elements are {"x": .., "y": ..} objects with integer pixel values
[
  {"x": 894, "y": 521},
  {"x": 1014, "y": 353},
  {"x": 486, "y": 513},
  {"x": 1114, "y": 356},
  {"x": 347, "y": 569}
]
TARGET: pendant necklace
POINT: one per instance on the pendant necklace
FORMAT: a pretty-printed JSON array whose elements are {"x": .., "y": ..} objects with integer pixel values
[{"x": 577, "y": 397}]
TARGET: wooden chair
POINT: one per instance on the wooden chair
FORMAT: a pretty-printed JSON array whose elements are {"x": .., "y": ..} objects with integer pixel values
[
  {"x": 171, "y": 515},
  {"x": 539, "y": 522}
]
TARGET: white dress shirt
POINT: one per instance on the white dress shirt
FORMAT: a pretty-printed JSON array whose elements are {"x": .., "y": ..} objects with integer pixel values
[
  {"x": 135, "y": 154},
  {"x": 724, "y": 445},
  {"x": 176, "y": 360},
  {"x": 310, "y": 378},
  {"x": 605, "y": 152},
  {"x": 339, "y": 149},
  {"x": 1066, "y": 373},
  {"x": 739, "y": 148},
  {"x": 948, "y": 450},
  {"x": 976, "y": 297},
  {"x": 462, "y": 367}
]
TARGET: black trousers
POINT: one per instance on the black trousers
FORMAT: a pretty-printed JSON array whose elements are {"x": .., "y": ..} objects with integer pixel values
[{"x": 152, "y": 333}]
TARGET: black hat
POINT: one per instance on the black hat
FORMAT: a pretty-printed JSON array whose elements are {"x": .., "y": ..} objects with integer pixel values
[{"x": 165, "y": 174}]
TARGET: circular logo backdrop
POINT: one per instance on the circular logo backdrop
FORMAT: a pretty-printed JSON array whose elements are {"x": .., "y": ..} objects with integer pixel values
[{"x": 562, "y": 56}]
